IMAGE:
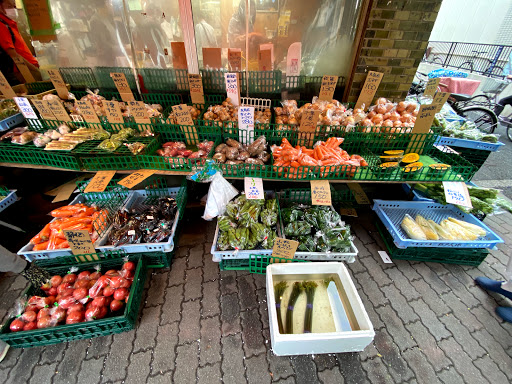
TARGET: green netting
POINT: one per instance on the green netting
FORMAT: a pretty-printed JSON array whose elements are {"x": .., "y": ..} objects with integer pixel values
[
  {"x": 39, "y": 87},
  {"x": 105, "y": 82},
  {"x": 79, "y": 77},
  {"x": 158, "y": 79},
  {"x": 258, "y": 263}
]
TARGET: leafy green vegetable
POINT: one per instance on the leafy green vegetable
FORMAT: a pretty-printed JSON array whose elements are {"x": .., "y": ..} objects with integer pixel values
[
  {"x": 279, "y": 289},
  {"x": 310, "y": 288},
  {"x": 297, "y": 290}
]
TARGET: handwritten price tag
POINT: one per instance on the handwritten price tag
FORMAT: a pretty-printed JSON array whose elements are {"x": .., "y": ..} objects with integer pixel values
[
  {"x": 457, "y": 193},
  {"x": 359, "y": 194},
  {"x": 195, "y": 83},
  {"x": 245, "y": 123},
  {"x": 232, "y": 89},
  {"x": 320, "y": 192},
  {"x": 136, "y": 177},
  {"x": 284, "y": 248},
  {"x": 431, "y": 87},
  {"x": 254, "y": 188},
  {"x": 139, "y": 112},
  {"x": 235, "y": 59},
  {"x": 370, "y": 87},
  {"x": 439, "y": 99},
  {"x": 58, "y": 83},
  {"x": 309, "y": 120},
  {"x": 328, "y": 87},
  {"x": 5, "y": 87},
  {"x": 87, "y": 111},
  {"x": 212, "y": 58},
  {"x": 43, "y": 109},
  {"x": 113, "y": 111},
  {"x": 25, "y": 107},
  {"x": 58, "y": 110},
  {"x": 79, "y": 242},
  {"x": 425, "y": 117},
  {"x": 22, "y": 67},
  {"x": 182, "y": 114},
  {"x": 348, "y": 212},
  {"x": 122, "y": 86},
  {"x": 100, "y": 181}
]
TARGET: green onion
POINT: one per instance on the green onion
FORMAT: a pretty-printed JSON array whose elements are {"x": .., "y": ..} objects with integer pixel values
[
  {"x": 297, "y": 289},
  {"x": 309, "y": 287},
  {"x": 278, "y": 293}
]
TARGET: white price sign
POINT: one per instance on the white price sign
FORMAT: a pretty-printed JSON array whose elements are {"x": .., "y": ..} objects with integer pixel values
[
  {"x": 254, "y": 188},
  {"x": 232, "y": 88},
  {"x": 245, "y": 122},
  {"x": 457, "y": 193},
  {"x": 25, "y": 107}
]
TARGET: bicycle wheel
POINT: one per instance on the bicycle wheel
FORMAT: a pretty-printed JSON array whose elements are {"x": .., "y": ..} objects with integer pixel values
[
  {"x": 497, "y": 72},
  {"x": 482, "y": 100},
  {"x": 467, "y": 64},
  {"x": 437, "y": 60},
  {"x": 484, "y": 118}
]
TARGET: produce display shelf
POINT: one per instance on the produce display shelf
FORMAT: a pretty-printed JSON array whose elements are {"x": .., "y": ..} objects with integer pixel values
[
  {"x": 476, "y": 157},
  {"x": 264, "y": 82},
  {"x": 9, "y": 198},
  {"x": 462, "y": 256},
  {"x": 215, "y": 82},
  {"x": 16, "y": 155},
  {"x": 166, "y": 100},
  {"x": 470, "y": 144},
  {"x": 294, "y": 83},
  {"x": 39, "y": 87},
  {"x": 163, "y": 79},
  {"x": 11, "y": 122},
  {"x": 105, "y": 82},
  {"x": 391, "y": 213},
  {"x": 84, "y": 330},
  {"x": 258, "y": 263},
  {"x": 79, "y": 77}
]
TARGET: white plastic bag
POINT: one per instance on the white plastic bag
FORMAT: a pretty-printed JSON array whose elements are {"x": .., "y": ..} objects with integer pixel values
[{"x": 219, "y": 195}]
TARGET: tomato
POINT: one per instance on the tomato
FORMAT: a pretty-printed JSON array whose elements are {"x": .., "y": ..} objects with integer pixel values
[
  {"x": 127, "y": 297},
  {"x": 80, "y": 293},
  {"x": 128, "y": 274},
  {"x": 67, "y": 292},
  {"x": 129, "y": 266},
  {"x": 69, "y": 278},
  {"x": 91, "y": 313},
  {"x": 120, "y": 293},
  {"x": 126, "y": 283},
  {"x": 95, "y": 275},
  {"x": 103, "y": 281},
  {"x": 116, "y": 281},
  {"x": 75, "y": 317},
  {"x": 56, "y": 281},
  {"x": 108, "y": 291},
  {"x": 108, "y": 300},
  {"x": 84, "y": 275},
  {"x": 103, "y": 313},
  {"x": 58, "y": 315},
  {"x": 44, "y": 322},
  {"x": 111, "y": 272},
  {"x": 95, "y": 292},
  {"x": 99, "y": 301},
  {"x": 34, "y": 300},
  {"x": 76, "y": 307},
  {"x": 17, "y": 325},
  {"x": 84, "y": 283},
  {"x": 66, "y": 302},
  {"x": 30, "y": 326},
  {"x": 63, "y": 287},
  {"x": 32, "y": 307},
  {"x": 52, "y": 291},
  {"x": 51, "y": 300},
  {"x": 29, "y": 316},
  {"x": 91, "y": 283},
  {"x": 116, "y": 305}
]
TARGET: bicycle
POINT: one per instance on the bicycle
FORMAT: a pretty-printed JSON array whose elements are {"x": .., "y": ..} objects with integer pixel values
[
  {"x": 435, "y": 58},
  {"x": 492, "y": 69}
]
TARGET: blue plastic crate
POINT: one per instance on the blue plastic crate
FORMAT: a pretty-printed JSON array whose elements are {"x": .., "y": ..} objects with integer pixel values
[
  {"x": 10, "y": 199},
  {"x": 416, "y": 195},
  {"x": 11, "y": 122},
  {"x": 471, "y": 144},
  {"x": 391, "y": 213}
]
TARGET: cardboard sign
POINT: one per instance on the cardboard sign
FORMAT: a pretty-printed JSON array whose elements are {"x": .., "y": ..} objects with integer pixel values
[
  {"x": 6, "y": 88},
  {"x": 22, "y": 67},
  {"x": 212, "y": 58},
  {"x": 293, "y": 63},
  {"x": 40, "y": 20},
  {"x": 439, "y": 99},
  {"x": 43, "y": 109},
  {"x": 265, "y": 60},
  {"x": 79, "y": 241},
  {"x": 385, "y": 257},
  {"x": 253, "y": 187},
  {"x": 183, "y": 118},
  {"x": 457, "y": 193},
  {"x": 320, "y": 192},
  {"x": 232, "y": 89},
  {"x": 359, "y": 194},
  {"x": 58, "y": 83},
  {"x": 113, "y": 112},
  {"x": 100, "y": 181},
  {"x": 348, "y": 212},
  {"x": 25, "y": 108},
  {"x": 65, "y": 191},
  {"x": 58, "y": 110},
  {"x": 245, "y": 123},
  {"x": 179, "y": 56},
  {"x": 328, "y": 87},
  {"x": 425, "y": 117},
  {"x": 369, "y": 88},
  {"x": 431, "y": 87},
  {"x": 284, "y": 248},
  {"x": 139, "y": 112},
  {"x": 136, "y": 177},
  {"x": 87, "y": 111},
  {"x": 235, "y": 59},
  {"x": 122, "y": 86},
  {"x": 195, "y": 83},
  {"x": 309, "y": 120}
]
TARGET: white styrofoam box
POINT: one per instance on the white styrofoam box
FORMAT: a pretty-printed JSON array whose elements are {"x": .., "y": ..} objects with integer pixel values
[{"x": 330, "y": 342}]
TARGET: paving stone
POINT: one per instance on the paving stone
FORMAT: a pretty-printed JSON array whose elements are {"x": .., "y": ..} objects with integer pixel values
[
  {"x": 305, "y": 369},
  {"x": 195, "y": 258},
  {"x": 369, "y": 352},
  {"x": 495, "y": 326},
  {"x": 171, "y": 308},
  {"x": 280, "y": 366},
  {"x": 251, "y": 333},
  {"x": 182, "y": 251},
  {"x": 325, "y": 361},
  {"x": 210, "y": 341},
  {"x": 247, "y": 292},
  {"x": 399, "y": 304},
  {"x": 432, "y": 278},
  {"x": 192, "y": 238},
  {"x": 391, "y": 356},
  {"x": 490, "y": 370},
  {"x": 363, "y": 252},
  {"x": 158, "y": 288},
  {"x": 438, "y": 268},
  {"x": 419, "y": 364},
  {"x": 138, "y": 368},
  {"x": 450, "y": 376},
  {"x": 232, "y": 360},
  {"x": 370, "y": 310},
  {"x": 52, "y": 353},
  {"x": 164, "y": 352},
  {"x": 210, "y": 299},
  {"x": 351, "y": 368},
  {"x": 356, "y": 267},
  {"x": 376, "y": 371},
  {"x": 288, "y": 380},
  {"x": 193, "y": 284},
  {"x": 209, "y": 374},
  {"x": 330, "y": 376},
  {"x": 430, "y": 320},
  {"x": 44, "y": 374},
  {"x": 260, "y": 281},
  {"x": 186, "y": 364},
  {"x": 228, "y": 282},
  {"x": 211, "y": 269},
  {"x": 362, "y": 234},
  {"x": 177, "y": 274},
  {"x": 12, "y": 357},
  {"x": 463, "y": 337},
  {"x": 115, "y": 363},
  {"x": 486, "y": 299},
  {"x": 395, "y": 327},
  {"x": 189, "y": 324},
  {"x": 70, "y": 364},
  {"x": 147, "y": 329},
  {"x": 258, "y": 370},
  {"x": 459, "y": 289},
  {"x": 90, "y": 371},
  {"x": 19, "y": 283},
  {"x": 462, "y": 312},
  {"x": 403, "y": 283},
  {"x": 262, "y": 297},
  {"x": 428, "y": 345},
  {"x": 161, "y": 378},
  {"x": 462, "y": 362},
  {"x": 376, "y": 270},
  {"x": 496, "y": 351},
  {"x": 230, "y": 314},
  {"x": 372, "y": 290}
]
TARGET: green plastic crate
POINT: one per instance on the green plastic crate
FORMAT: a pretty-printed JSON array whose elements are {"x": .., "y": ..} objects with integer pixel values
[
  {"x": 166, "y": 100},
  {"x": 476, "y": 157},
  {"x": 158, "y": 79},
  {"x": 84, "y": 330},
  {"x": 294, "y": 83},
  {"x": 215, "y": 82},
  {"x": 105, "y": 82},
  {"x": 234, "y": 265},
  {"x": 258, "y": 263},
  {"x": 265, "y": 82},
  {"x": 461, "y": 256},
  {"x": 39, "y": 87},
  {"x": 15, "y": 153},
  {"x": 79, "y": 77}
]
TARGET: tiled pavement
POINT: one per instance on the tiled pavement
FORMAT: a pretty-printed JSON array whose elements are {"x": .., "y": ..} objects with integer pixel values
[{"x": 201, "y": 325}]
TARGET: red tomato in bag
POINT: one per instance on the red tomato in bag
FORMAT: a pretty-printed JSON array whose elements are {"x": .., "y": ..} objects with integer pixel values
[
  {"x": 30, "y": 326},
  {"x": 75, "y": 317},
  {"x": 121, "y": 294},
  {"x": 70, "y": 278},
  {"x": 129, "y": 266},
  {"x": 80, "y": 293},
  {"x": 76, "y": 307},
  {"x": 55, "y": 280},
  {"x": 116, "y": 305},
  {"x": 108, "y": 291},
  {"x": 44, "y": 322},
  {"x": 84, "y": 275},
  {"x": 99, "y": 301},
  {"x": 91, "y": 313},
  {"x": 29, "y": 316},
  {"x": 17, "y": 325},
  {"x": 58, "y": 315},
  {"x": 95, "y": 275}
]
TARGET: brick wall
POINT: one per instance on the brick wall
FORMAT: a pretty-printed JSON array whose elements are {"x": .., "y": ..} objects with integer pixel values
[{"x": 394, "y": 42}]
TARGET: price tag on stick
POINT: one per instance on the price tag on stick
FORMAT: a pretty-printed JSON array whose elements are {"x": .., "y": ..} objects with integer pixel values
[
  {"x": 328, "y": 87},
  {"x": 136, "y": 177},
  {"x": 457, "y": 193},
  {"x": 284, "y": 248},
  {"x": 308, "y": 123},
  {"x": 232, "y": 89},
  {"x": 100, "y": 181},
  {"x": 195, "y": 83},
  {"x": 320, "y": 192},
  {"x": 348, "y": 212},
  {"x": 245, "y": 123},
  {"x": 58, "y": 110},
  {"x": 6, "y": 88},
  {"x": 87, "y": 111},
  {"x": 265, "y": 60},
  {"x": 25, "y": 107},
  {"x": 439, "y": 99},
  {"x": 359, "y": 194},
  {"x": 58, "y": 83},
  {"x": 431, "y": 87},
  {"x": 179, "y": 56},
  {"x": 370, "y": 87},
  {"x": 113, "y": 111},
  {"x": 22, "y": 67},
  {"x": 43, "y": 109},
  {"x": 79, "y": 241},
  {"x": 235, "y": 59},
  {"x": 254, "y": 188},
  {"x": 183, "y": 118},
  {"x": 139, "y": 112},
  {"x": 122, "y": 86}
]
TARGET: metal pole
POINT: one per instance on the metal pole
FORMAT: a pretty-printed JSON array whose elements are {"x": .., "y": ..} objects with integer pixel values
[
  {"x": 187, "y": 24},
  {"x": 247, "y": 13}
]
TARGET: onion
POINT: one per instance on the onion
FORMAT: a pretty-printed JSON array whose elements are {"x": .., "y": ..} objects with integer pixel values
[
  {"x": 394, "y": 116},
  {"x": 382, "y": 100},
  {"x": 387, "y": 123},
  {"x": 401, "y": 107},
  {"x": 371, "y": 114},
  {"x": 381, "y": 109},
  {"x": 411, "y": 107},
  {"x": 377, "y": 119}
]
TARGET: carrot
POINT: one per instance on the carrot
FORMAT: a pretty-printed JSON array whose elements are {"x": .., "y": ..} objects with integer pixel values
[
  {"x": 42, "y": 236},
  {"x": 64, "y": 244},
  {"x": 295, "y": 164},
  {"x": 41, "y": 246},
  {"x": 86, "y": 213}
]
